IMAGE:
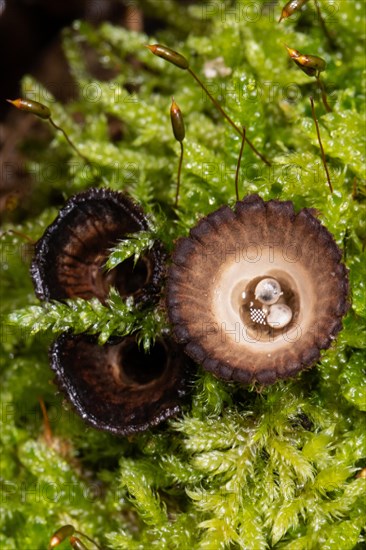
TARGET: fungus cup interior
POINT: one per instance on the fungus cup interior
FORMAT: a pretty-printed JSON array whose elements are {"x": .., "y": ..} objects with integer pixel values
[
  {"x": 118, "y": 387},
  {"x": 211, "y": 295},
  {"x": 69, "y": 258}
]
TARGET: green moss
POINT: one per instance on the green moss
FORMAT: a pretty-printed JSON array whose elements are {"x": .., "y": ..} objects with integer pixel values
[{"x": 242, "y": 468}]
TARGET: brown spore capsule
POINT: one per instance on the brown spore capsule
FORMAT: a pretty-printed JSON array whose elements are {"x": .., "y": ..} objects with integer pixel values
[
  {"x": 30, "y": 106},
  {"x": 60, "y": 535},
  {"x": 177, "y": 121},
  {"x": 212, "y": 291},
  {"x": 312, "y": 65},
  {"x": 170, "y": 55},
  {"x": 291, "y": 7},
  {"x": 70, "y": 257},
  {"x": 118, "y": 387}
]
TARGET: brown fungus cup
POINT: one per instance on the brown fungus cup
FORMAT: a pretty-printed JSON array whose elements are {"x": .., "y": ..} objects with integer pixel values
[
  {"x": 118, "y": 387},
  {"x": 70, "y": 256},
  {"x": 256, "y": 292}
]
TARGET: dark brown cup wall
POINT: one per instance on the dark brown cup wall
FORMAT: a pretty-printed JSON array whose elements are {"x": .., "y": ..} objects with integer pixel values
[
  {"x": 70, "y": 256},
  {"x": 217, "y": 311},
  {"x": 118, "y": 387}
]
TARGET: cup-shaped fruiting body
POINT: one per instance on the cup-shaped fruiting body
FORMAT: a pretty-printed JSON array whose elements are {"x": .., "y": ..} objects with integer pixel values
[
  {"x": 218, "y": 283},
  {"x": 70, "y": 257},
  {"x": 118, "y": 387}
]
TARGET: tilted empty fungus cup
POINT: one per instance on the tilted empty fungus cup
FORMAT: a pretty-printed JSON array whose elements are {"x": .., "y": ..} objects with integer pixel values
[
  {"x": 70, "y": 256},
  {"x": 118, "y": 387}
]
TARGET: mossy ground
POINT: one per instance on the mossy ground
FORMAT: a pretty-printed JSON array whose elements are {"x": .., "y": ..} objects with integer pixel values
[{"x": 246, "y": 468}]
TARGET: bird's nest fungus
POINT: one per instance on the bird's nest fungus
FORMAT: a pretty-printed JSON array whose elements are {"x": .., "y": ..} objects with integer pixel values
[
  {"x": 253, "y": 293},
  {"x": 118, "y": 387},
  {"x": 69, "y": 258},
  {"x": 256, "y": 292}
]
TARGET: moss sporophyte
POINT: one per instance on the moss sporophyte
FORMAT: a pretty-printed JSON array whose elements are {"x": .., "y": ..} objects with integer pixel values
[{"x": 203, "y": 300}]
